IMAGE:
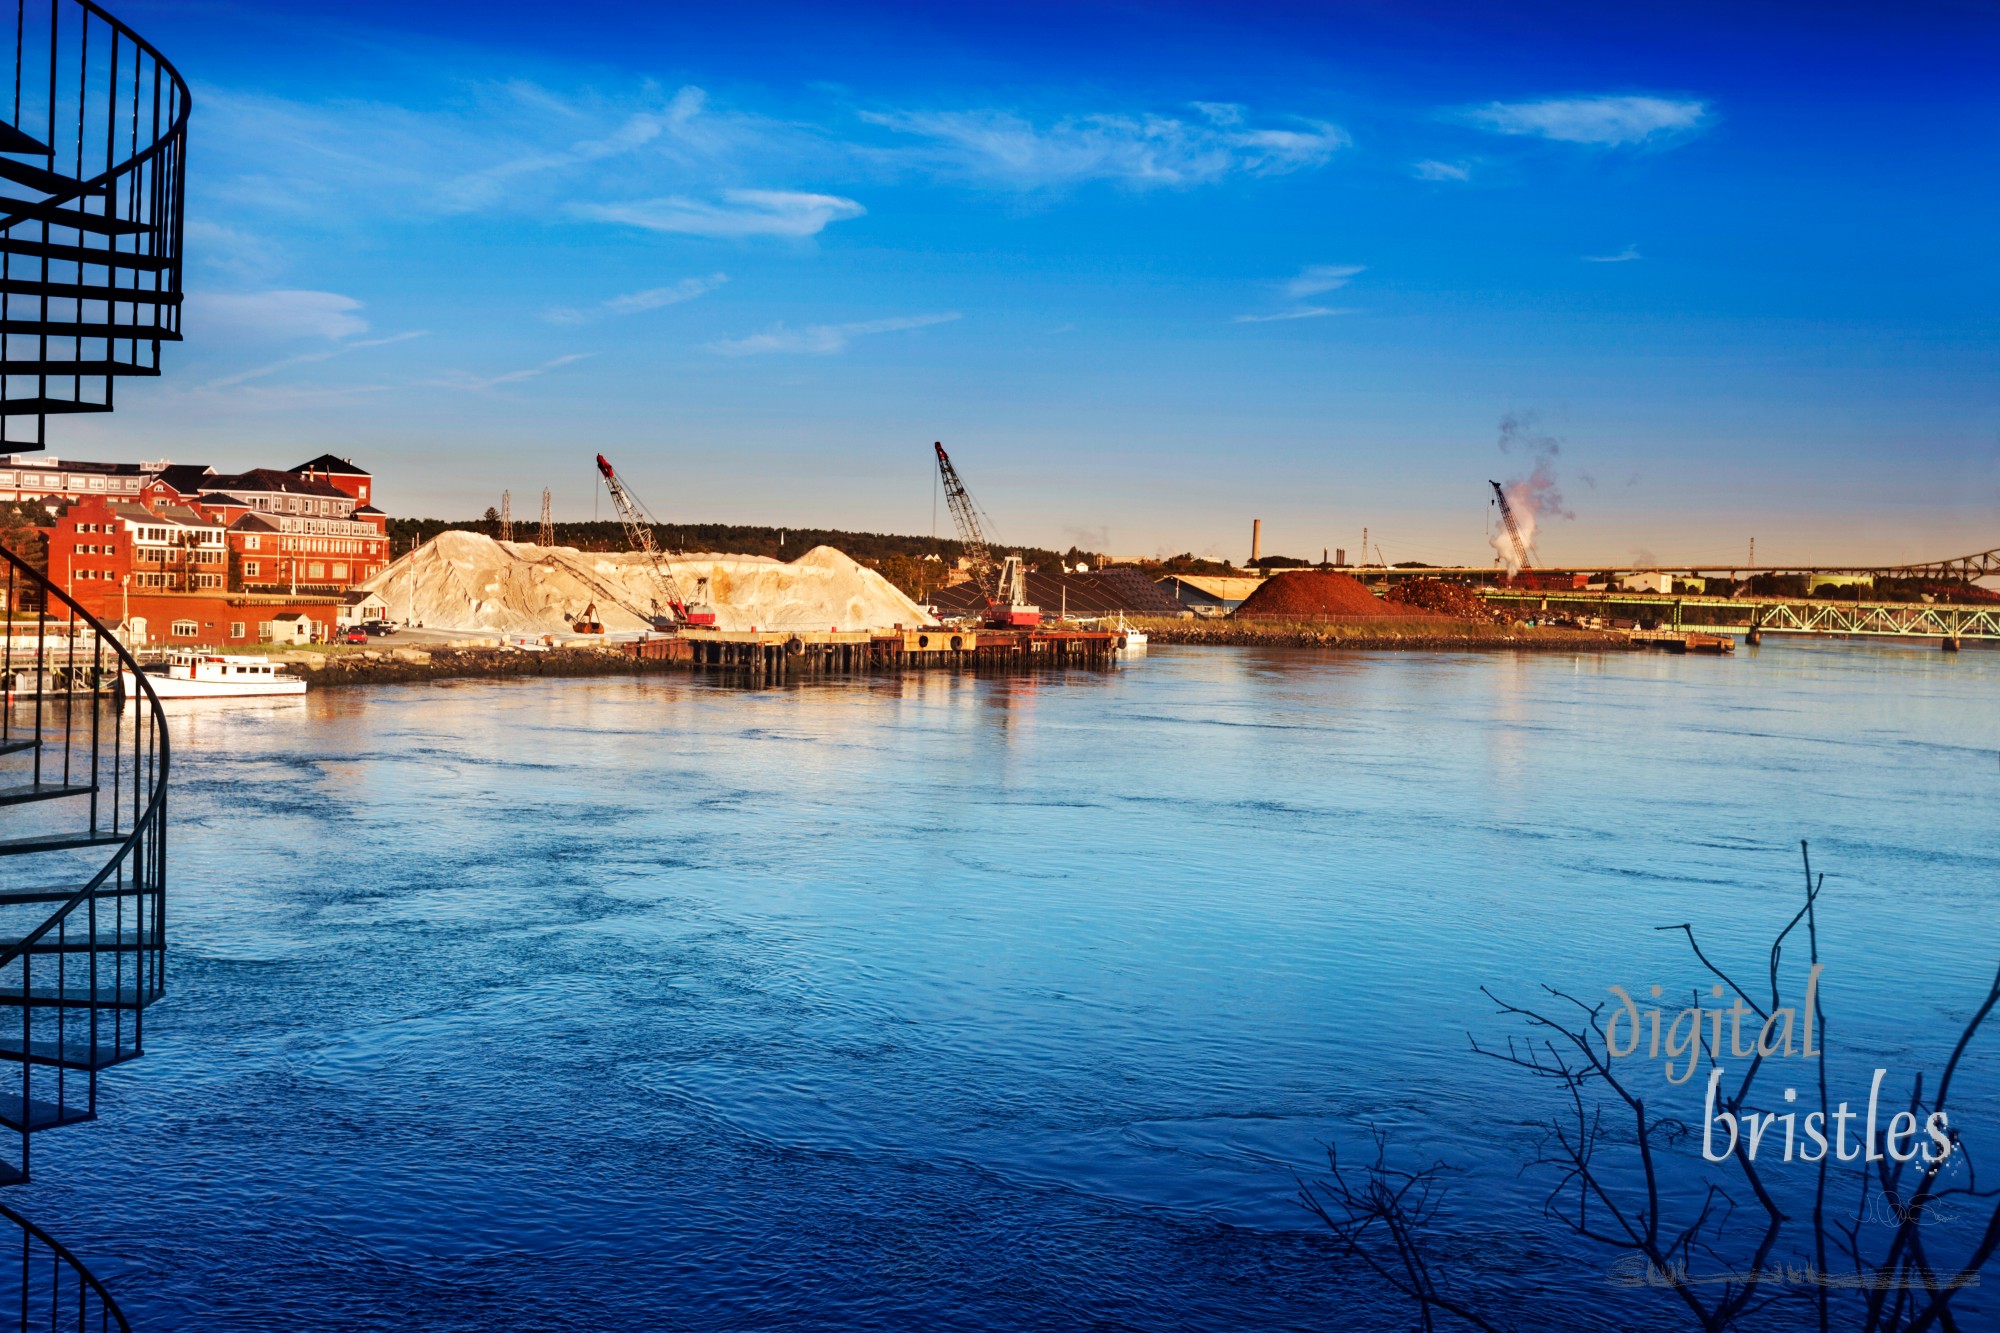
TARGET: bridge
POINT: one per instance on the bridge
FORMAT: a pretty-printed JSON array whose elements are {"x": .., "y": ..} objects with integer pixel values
[
  {"x": 1948, "y": 623},
  {"x": 1967, "y": 568}
]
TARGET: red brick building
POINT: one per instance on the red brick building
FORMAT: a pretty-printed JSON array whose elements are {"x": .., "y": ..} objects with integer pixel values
[
  {"x": 162, "y": 573},
  {"x": 196, "y": 557},
  {"x": 309, "y": 529}
]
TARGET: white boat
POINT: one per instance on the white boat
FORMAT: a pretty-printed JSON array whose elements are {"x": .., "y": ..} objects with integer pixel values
[
  {"x": 214, "y": 676},
  {"x": 1135, "y": 639}
]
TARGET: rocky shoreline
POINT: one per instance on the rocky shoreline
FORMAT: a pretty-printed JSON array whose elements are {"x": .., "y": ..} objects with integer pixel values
[
  {"x": 1421, "y": 635},
  {"x": 335, "y": 667},
  {"x": 328, "y": 669}
]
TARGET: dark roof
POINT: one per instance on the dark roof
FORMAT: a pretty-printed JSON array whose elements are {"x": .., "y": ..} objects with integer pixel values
[
  {"x": 366, "y": 509},
  {"x": 178, "y": 515},
  {"x": 187, "y": 478},
  {"x": 270, "y": 479},
  {"x": 1103, "y": 592},
  {"x": 328, "y": 463}
]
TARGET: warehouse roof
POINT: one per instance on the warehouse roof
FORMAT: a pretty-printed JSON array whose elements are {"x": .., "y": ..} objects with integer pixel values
[
  {"x": 1104, "y": 592},
  {"x": 1210, "y": 587}
]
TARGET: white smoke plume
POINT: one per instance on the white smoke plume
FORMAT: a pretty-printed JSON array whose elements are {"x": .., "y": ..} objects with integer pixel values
[{"x": 1535, "y": 497}]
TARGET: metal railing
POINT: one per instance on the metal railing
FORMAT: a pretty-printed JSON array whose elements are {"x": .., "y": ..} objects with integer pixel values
[
  {"x": 80, "y": 960},
  {"x": 45, "y": 1288},
  {"x": 92, "y": 195}
]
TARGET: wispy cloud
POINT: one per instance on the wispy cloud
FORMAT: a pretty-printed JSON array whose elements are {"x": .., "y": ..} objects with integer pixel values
[
  {"x": 241, "y": 254},
  {"x": 1317, "y": 278},
  {"x": 1629, "y": 253},
  {"x": 632, "y": 303},
  {"x": 1441, "y": 171},
  {"x": 1007, "y": 148},
  {"x": 740, "y": 213},
  {"x": 501, "y": 147},
  {"x": 466, "y": 380},
  {"x": 1297, "y": 312},
  {"x": 311, "y": 358},
  {"x": 822, "y": 339},
  {"x": 275, "y": 316},
  {"x": 479, "y": 188},
  {"x": 1603, "y": 121}
]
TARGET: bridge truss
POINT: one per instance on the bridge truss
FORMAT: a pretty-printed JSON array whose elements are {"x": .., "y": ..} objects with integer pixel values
[{"x": 1771, "y": 615}]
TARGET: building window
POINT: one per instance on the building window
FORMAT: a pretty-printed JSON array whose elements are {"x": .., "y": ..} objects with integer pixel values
[
  {"x": 251, "y": 569},
  {"x": 340, "y": 571},
  {"x": 315, "y": 570},
  {"x": 253, "y": 543},
  {"x": 235, "y": 629},
  {"x": 185, "y": 629},
  {"x": 364, "y": 492}
]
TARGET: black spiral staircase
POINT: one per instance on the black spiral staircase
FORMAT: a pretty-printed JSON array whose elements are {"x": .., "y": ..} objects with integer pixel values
[
  {"x": 92, "y": 162},
  {"x": 92, "y": 190}
]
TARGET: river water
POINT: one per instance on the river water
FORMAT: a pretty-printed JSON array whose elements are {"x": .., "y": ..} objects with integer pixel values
[{"x": 977, "y": 1003}]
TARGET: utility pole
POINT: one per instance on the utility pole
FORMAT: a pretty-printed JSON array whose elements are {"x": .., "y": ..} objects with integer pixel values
[
  {"x": 1364, "y": 546},
  {"x": 548, "y": 533},
  {"x": 1753, "y": 553},
  {"x": 506, "y": 516}
]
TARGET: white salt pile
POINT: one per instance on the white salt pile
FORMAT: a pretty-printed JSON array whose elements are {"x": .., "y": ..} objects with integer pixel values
[{"x": 469, "y": 581}]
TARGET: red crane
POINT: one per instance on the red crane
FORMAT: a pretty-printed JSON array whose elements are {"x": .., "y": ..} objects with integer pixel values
[
  {"x": 1513, "y": 529},
  {"x": 638, "y": 523},
  {"x": 1004, "y": 583}
]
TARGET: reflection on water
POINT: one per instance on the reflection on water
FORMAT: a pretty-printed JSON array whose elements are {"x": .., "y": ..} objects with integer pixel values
[{"x": 961, "y": 1002}]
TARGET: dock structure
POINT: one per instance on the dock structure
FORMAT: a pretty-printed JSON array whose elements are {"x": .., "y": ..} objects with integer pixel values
[{"x": 782, "y": 654}]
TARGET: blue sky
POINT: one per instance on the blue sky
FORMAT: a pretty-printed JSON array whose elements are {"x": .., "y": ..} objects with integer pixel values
[{"x": 1150, "y": 270}]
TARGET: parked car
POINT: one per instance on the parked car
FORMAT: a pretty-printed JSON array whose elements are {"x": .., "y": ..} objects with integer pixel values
[
  {"x": 379, "y": 627},
  {"x": 356, "y": 635}
]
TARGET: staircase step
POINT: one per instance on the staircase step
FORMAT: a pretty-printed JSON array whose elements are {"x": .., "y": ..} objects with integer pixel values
[
  {"x": 33, "y": 1114},
  {"x": 59, "y": 842},
  {"x": 71, "y": 369},
  {"x": 13, "y": 212},
  {"x": 41, "y": 178},
  {"x": 62, "y": 893},
  {"x": 80, "y": 254},
  {"x": 47, "y": 407},
  {"x": 92, "y": 291},
  {"x": 63, "y": 328},
  {"x": 78, "y": 997},
  {"x": 13, "y": 140},
  {"x": 21, "y": 793},
  {"x": 68, "y": 1055},
  {"x": 19, "y": 746},
  {"x": 77, "y": 940}
]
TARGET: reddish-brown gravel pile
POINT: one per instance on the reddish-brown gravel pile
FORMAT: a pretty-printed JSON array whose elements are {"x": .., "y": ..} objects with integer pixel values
[
  {"x": 1450, "y": 599},
  {"x": 1309, "y": 593}
]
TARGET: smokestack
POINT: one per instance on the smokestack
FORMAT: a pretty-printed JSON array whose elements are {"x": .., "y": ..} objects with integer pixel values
[
  {"x": 1256, "y": 540},
  {"x": 1339, "y": 556}
]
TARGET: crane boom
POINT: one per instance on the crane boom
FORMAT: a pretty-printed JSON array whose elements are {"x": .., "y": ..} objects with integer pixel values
[
  {"x": 1004, "y": 583},
  {"x": 638, "y": 525},
  {"x": 1513, "y": 528},
  {"x": 965, "y": 514}
]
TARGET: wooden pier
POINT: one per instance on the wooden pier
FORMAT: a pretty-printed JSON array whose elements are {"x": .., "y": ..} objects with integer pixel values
[{"x": 782, "y": 654}]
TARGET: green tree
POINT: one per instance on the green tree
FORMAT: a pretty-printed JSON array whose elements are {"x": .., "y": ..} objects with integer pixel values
[{"x": 909, "y": 574}]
